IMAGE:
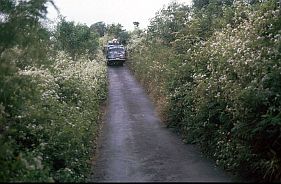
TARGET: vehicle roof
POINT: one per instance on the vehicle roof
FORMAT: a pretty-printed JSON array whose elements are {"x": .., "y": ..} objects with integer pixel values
[{"x": 115, "y": 46}]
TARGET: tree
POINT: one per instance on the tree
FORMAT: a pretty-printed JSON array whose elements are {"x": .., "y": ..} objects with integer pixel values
[
  {"x": 24, "y": 41},
  {"x": 117, "y": 31},
  {"x": 114, "y": 29},
  {"x": 199, "y": 4},
  {"x": 20, "y": 21},
  {"x": 168, "y": 22},
  {"x": 123, "y": 37},
  {"x": 136, "y": 24},
  {"x": 99, "y": 27},
  {"x": 76, "y": 39}
]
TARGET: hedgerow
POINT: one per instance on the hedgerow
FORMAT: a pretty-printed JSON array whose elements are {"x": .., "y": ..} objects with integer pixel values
[
  {"x": 49, "y": 103},
  {"x": 221, "y": 84},
  {"x": 51, "y": 135}
]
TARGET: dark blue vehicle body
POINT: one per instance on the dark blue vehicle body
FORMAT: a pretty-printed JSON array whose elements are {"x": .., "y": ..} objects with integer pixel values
[{"x": 115, "y": 54}]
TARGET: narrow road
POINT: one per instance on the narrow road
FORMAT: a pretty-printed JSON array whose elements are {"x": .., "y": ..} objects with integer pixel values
[{"x": 136, "y": 147}]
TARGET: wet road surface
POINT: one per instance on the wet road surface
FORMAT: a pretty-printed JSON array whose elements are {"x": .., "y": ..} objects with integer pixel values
[{"x": 136, "y": 147}]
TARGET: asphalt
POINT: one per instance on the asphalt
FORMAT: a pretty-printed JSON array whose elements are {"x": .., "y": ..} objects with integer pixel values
[{"x": 135, "y": 146}]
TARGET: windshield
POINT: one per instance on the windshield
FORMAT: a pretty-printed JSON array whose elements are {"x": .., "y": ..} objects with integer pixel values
[{"x": 116, "y": 50}]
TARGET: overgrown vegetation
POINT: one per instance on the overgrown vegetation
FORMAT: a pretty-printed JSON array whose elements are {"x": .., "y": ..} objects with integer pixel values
[
  {"x": 50, "y": 93},
  {"x": 76, "y": 39},
  {"x": 217, "y": 68}
]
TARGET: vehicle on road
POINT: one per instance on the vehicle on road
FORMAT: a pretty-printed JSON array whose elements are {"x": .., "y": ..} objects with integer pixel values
[{"x": 115, "y": 54}]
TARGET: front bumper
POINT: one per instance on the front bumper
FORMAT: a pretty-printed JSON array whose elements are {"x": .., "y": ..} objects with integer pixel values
[{"x": 115, "y": 61}]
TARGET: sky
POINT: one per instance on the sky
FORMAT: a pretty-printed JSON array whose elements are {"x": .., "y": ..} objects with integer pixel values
[{"x": 124, "y": 12}]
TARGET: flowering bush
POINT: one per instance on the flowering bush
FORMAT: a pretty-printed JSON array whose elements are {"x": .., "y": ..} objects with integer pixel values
[
  {"x": 223, "y": 90},
  {"x": 50, "y": 136},
  {"x": 150, "y": 65},
  {"x": 49, "y": 104}
]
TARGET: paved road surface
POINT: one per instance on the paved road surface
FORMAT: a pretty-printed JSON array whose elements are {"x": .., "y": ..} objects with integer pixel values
[{"x": 136, "y": 147}]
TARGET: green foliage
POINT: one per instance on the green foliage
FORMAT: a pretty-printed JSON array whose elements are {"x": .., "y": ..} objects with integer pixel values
[
  {"x": 22, "y": 32},
  {"x": 116, "y": 31},
  {"x": 99, "y": 27},
  {"x": 199, "y": 4},
  {"x": 49, "y": 104},
  {"x": 220, "y": 78},
  {"x": 49, "y": 137},
  {"x": 168, "y": 22},
  {"x": 76, "y": 39}
]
